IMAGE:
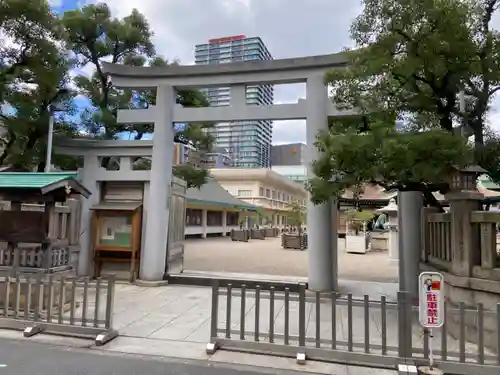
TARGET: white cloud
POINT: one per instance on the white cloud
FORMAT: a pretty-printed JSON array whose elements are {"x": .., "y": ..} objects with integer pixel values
[
  {"x": 55, "y": 3},
  {"x": 289, "y": 132},
  {"x": 494, "y": 114},
  {"x": 289, "y": 29}
]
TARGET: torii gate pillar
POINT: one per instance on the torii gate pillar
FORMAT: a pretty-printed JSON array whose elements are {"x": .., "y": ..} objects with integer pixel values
[{"x": 321, "y": 223}]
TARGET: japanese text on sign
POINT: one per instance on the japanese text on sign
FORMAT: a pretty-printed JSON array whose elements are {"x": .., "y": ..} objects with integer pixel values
[{"x": 431, "y": 299}]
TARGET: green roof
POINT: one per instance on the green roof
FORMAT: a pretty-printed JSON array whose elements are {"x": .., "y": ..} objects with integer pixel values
[
  {"x": 43, "y": 181},
  {"x": 32, "y": 180},
  {"x": 213, "y": 194}
]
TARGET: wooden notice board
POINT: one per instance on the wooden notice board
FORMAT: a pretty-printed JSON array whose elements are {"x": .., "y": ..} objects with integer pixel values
[{"x": 116, "y": 232}]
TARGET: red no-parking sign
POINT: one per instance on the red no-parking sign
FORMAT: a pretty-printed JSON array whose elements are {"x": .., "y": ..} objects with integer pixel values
[{"x": 431, "y": 299}]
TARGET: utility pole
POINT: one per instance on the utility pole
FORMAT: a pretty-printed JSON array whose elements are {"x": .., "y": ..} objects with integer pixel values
[
  {"x": 50, "y": 138},
  {"x": 52, "y": 108}
]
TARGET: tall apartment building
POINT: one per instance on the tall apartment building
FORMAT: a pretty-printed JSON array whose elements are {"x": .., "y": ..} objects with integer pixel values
[
  {"x": 289, "y": 160},
  {"x": 248, "y": 143},
  {"x": 288, "y": 154}
]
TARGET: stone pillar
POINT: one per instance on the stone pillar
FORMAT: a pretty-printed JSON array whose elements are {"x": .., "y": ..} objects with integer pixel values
[
  {"x": 153, "y": 256},
  {"x": 465, "y": 249},
  {"x": 50, "y": 211},
  {"x": 319, "y": 228},
  {"x": 410, "y": 205},
  {"x": 126, "y": 163},
  {"x": 393, "y": 242},
  {"x": 203, "y": 223},
  {"x": 224, "y": 223},
  {"x": 88, "y": 175},
  {"x": 145, "y": 206},
  {"x": 334, "y": 211}
]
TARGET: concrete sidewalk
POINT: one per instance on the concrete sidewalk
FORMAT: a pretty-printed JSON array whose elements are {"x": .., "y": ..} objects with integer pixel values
[
  {"x": 182, "y": 313},
  {"x": 174, "y": 321}
]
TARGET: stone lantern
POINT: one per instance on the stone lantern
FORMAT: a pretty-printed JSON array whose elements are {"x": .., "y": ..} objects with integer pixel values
[
  {"x": 391, "y": 210},
  {"x": 464, "y": 199},
  {"x": 465, "y": 179}
]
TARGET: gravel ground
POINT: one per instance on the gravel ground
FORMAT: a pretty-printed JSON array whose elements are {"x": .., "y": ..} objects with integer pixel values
[{"x": 267, "y": 257}]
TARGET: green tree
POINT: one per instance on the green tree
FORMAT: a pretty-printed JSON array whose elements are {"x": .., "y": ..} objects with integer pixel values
[
  {"x": 489, "y": 154},
  {"x": 357, "y": 215},
  {"x": 414, "y": 57},
  {"x": 262, "y": 215},
  {"x": 411, "y": 61},
  {"x": 296, "y": 215},
  {"x": 95, "y": 36},
  {"x": 357, "y": 218},
  {"x": 243, "y": 215},
  {"x": 34, "y": 74},
  {"x": 410, "y": 160},
  {"x": 26, "y": 29}
]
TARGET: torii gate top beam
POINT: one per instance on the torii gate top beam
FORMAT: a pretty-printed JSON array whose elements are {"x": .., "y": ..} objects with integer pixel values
[{"x": 281, "y": 71}]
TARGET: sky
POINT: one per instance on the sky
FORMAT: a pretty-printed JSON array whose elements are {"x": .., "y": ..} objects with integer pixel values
[{"x": 289, "y": 28}]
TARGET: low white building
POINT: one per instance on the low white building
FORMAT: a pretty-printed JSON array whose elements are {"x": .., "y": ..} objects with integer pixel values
[{"x": 263, "y": 188}]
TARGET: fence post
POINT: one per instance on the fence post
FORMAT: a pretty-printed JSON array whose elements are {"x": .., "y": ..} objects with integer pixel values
[
  {"x": 110, "y": 300},
  {"x": 15, "y": 258},
  {"x": 404, "y": 325},
  {"x": 301, "y": 355},
  {"x": 214, "y": 316},
  {"x": 302, "y": 315},
  {"x": 46, "y": 255},
  {"x": 212, "y": 345},
  {"x": 109, "y": 333}
]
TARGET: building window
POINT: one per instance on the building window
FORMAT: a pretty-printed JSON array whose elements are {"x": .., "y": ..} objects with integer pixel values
[
  {"x": 261, "y": 192},
  {"x": 274, "y": 194},
  {"x": 193, "y": 217},
  {"x": 244, "y": 193},
  {"x": 232, "y": 218},
  {"x": 214, "y": 218},
  {"x": 268, "y": 193}
]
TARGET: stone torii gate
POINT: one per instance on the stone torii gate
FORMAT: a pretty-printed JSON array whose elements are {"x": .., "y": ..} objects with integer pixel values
[{"x": 315, "y": 109}]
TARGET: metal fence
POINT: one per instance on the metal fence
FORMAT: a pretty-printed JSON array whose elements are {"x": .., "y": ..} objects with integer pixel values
[
  {"x": 58, "y": 304},
  {"x": 377, "y": 333}
]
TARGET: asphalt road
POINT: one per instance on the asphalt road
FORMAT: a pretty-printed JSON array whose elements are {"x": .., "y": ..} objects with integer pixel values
[{"x": 19, "y": 357}]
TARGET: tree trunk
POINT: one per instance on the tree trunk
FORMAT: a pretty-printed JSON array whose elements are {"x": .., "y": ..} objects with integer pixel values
[
  {"x": 446, "y": 123},
  {"x": 478, "y": 135}
]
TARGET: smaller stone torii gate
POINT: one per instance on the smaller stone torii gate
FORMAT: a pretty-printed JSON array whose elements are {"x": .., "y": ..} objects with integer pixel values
[{"x": 315, "y": 109}]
